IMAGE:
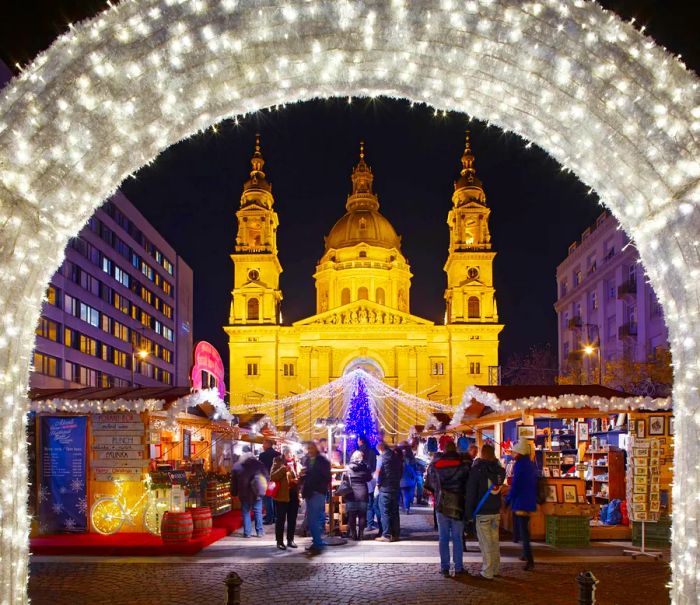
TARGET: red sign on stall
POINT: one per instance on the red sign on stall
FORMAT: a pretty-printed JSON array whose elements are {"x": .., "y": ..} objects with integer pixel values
[{"x": 208, "y": 369}]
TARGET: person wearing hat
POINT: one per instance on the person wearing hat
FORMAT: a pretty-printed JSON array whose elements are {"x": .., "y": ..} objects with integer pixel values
[{"x": 522, "y": 497}]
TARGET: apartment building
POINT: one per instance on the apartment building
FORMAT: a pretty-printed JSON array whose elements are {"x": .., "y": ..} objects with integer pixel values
[
  {"x": 119, "y": 310},
  {"x": 605, "y": 302}
]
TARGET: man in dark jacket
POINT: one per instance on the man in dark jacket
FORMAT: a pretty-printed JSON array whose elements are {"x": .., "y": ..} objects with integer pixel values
[
  {"x": 266, "y": 457},
  {"x": 447, "y": 479},
  {"x": 316, "y": 481},
  {"x": 484, "y": 503},
  {"x": 369, "y": 455},
  {"x": 249, "y": 477},
  {"x": 389, "y": 471}
]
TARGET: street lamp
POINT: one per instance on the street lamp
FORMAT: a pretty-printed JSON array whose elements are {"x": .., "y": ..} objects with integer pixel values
[
  {"x": 331, "y": 424},
  {"x": 589, "y": 350},
  {"x": 141, "y": 354}
]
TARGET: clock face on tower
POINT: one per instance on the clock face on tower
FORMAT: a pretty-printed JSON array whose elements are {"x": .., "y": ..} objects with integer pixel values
[
  {"x": 253, "y": 275},
  {"x": 472, "y": 273}
]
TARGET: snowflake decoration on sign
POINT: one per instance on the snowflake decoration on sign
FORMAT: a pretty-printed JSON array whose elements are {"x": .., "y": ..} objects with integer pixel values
[
  {"x": 69, "y": 523},
  {"x": 43, "y": 493},
  {"x": 76, "y": 485},
  {"x": 63, "y": 489},
  {"x": 82, "y": 505},
  {"x": 57, "y": 508},
  {"x": 43, "y": 528}
]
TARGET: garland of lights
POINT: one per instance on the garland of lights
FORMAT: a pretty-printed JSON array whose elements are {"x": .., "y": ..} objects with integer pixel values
[
  {"x": 107, "y": 98},
  {"x": 491, "y": 400},
  {"x": 100, "y": 406}
]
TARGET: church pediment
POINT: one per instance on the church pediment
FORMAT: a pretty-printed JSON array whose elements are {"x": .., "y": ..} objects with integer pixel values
[{"x": 364, "y": 312}]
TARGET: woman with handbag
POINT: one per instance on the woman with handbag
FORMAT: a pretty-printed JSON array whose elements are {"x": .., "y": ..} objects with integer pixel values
[
  {"x": 285, "y": 474},
  {"x": 356, "y": 497}
]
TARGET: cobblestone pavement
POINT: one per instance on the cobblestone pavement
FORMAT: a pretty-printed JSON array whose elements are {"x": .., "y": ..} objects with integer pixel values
[
  {"x": 409, "y": 576},
  {"x": 349, "y": 584}
]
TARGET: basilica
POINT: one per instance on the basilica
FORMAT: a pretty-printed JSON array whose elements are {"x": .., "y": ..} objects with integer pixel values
[{"x": 363, "y": 305}]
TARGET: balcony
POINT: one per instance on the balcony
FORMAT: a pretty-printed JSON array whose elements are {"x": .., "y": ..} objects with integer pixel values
[
  {"x": 628, "y": 330},
  {"x": 628, "y": 288},
  {"x": 575, "y": 322}
]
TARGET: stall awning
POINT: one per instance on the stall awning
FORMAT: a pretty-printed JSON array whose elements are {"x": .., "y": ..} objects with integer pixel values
[{"x": 480, "y": 401}]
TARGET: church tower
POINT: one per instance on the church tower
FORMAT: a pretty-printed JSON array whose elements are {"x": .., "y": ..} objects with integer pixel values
[
  {"x": 256, "y": 292},
  {"x": 470, "y": 295}
]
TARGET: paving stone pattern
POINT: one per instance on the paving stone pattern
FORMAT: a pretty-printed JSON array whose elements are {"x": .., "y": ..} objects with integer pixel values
[
  {"x": 323, "y": 581},
  {"x": 347, "y": 584}
]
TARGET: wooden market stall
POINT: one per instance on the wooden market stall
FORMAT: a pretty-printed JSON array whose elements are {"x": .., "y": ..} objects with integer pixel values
[
  {"x": 115, "y": 460},
  {"x": 580, "y": 437}
]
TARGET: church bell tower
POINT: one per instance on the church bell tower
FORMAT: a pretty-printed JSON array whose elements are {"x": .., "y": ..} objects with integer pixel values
[
  {"x": 256, "y": 292},
  {"x": 470, "y": 294}
]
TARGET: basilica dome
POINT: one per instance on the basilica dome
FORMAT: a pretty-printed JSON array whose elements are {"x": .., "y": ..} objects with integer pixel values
[
  {"x": 363, "y": 226},
  {"x": 362, "y": 223}
]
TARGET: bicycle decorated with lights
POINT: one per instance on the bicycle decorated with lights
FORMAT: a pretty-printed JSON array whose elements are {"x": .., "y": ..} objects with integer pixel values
[{"x": 109, "y": 513}]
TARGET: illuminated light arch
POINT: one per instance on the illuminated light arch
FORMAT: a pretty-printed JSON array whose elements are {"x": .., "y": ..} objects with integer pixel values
[{"x": 114, "y": 92}]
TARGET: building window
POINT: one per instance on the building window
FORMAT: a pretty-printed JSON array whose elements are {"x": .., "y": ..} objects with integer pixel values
[
  {"x": 473, "y": 307},
  {"x": 252, "y": 369},
  {"x": 48, "y": 329},
  {"x": 47, "y": 365},
  {"x": 438, "y": 368},
  {"x": 577, "y": 277},
  {"x": 253, "y": 309},
  {"x": 656, "y": 309},
  {"x": 632, "y": 274},
  {"x": 52, "y": 296},
  {"x": 119, "y": 358},
  {"x": 380, "y": 296},
  {"x": 345, "y": 296},
  {"x": 593, "y": 300},
  {"x": 474, "y": 367},
  {"x": 362, "y": 293},
  {"x": 288, "y": 369},
  {"x": 610, "y": 289},
  {"x": 89, "y": 315},
  {"x": 167, "y": 333},
  {"x": 120, "y": 331},
  {"x": 563, "y": 288},
  {"x": 363, "y": 254},
  {"x": 87, "y": 345}
]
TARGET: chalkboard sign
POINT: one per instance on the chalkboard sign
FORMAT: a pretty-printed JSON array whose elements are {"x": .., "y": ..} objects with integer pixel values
[
  {"x": 186, "y": 444},
  {"x": 62, "y": 489}
]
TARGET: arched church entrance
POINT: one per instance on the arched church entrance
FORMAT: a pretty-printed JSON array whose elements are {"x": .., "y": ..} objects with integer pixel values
[{"x": 106, "y": 99}]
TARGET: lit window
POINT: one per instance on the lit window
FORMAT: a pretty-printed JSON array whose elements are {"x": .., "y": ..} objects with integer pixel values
[
  {"x": 48, "y": 329},
  {"x": 473, "y": 307},
  {"x": 45, "y": 364}
]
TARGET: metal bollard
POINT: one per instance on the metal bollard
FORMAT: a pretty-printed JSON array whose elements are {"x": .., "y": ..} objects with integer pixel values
[
  {"x": 586, "y": 588},
  {"x": 233, "y": 588}
]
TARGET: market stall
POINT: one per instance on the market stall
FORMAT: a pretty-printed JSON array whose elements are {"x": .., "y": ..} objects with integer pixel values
[
  {"x": 579, "y": 436},
  {"x": 117, "y": 461}
]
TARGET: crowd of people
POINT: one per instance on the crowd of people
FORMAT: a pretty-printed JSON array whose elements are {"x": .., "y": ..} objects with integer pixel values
[{"x": 467, "y": 489}]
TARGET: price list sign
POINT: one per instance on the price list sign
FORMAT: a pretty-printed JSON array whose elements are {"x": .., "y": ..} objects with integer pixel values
[
  {"x": 118, "y": 446},
  {"x": 62, "y": 492}
]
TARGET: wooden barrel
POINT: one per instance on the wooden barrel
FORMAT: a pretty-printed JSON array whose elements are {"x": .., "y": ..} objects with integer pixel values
[
  {"x": 201, "y": 521},
  {"x": 176, "y": 527}
]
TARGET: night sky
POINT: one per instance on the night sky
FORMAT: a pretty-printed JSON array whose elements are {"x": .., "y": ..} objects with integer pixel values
[{"x": 192, "y": 192}]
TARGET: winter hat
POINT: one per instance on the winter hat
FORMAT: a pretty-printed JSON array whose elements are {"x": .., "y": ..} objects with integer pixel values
[{"x": 521, "y": 447}]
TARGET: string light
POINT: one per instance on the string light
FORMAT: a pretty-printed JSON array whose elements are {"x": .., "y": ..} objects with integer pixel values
[
  {"x": 106, "y": 99},
  {"x": 605, "y": 404}
]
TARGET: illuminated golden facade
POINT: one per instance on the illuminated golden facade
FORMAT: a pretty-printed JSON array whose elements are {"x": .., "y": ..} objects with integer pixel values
[{"x": 363, "y": 316}]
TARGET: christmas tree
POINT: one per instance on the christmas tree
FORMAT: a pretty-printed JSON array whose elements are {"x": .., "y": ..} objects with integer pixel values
[{"x": 360, "y": 418}]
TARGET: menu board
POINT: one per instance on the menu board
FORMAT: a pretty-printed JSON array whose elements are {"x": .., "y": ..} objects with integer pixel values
[
  {"x": 118, "y": 446},
  {"x": 643, "y": 479},
  {"x": 62, "y": 490}
]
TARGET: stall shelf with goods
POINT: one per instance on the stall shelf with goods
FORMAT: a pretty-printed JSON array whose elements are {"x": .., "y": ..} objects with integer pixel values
[{"x": 564, "y": 425}]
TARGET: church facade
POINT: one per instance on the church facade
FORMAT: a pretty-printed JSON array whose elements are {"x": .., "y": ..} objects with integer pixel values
[{"x": 363, "y": 316}]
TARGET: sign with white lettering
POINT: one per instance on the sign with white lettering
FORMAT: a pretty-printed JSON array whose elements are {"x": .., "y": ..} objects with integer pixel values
[
  {"x": 116, "y": 440},
  {"x": 119, "y": 455}
]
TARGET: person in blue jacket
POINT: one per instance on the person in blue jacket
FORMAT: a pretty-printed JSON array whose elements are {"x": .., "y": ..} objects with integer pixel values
[{"x": 522, "y": 497}]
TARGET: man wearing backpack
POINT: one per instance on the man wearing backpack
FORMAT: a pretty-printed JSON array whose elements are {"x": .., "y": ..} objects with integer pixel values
[
  {"x": 249, "y": 483},
  {"x": 484, "y": 504}
]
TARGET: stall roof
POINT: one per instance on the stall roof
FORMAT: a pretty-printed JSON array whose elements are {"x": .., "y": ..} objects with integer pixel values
[
  {"x": 168, "y": 394},
  {"x": 480, "y": 401}
]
